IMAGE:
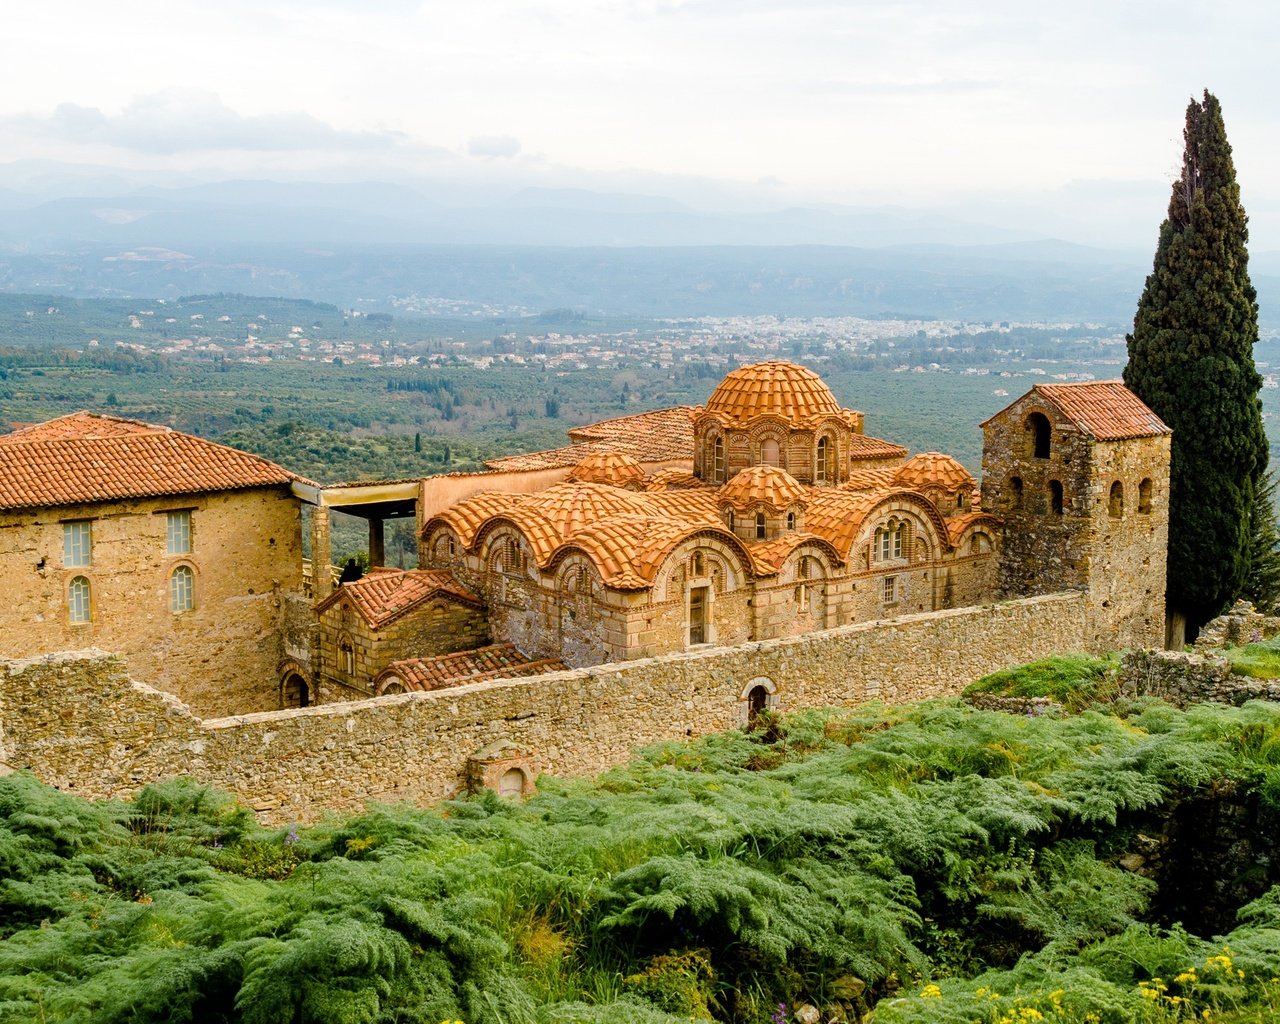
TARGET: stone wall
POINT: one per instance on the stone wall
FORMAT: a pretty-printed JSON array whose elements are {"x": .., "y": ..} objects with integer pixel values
[
  {"x": 78, "y": 722},
  {"x": 1181, "y": 679},
  {"x": 219, "y": 656}
]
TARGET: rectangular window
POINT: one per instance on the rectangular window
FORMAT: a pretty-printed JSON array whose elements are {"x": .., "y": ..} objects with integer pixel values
[
  {"x": 177, "y": 533},
  {"x": 883, "y": 537},
  {"x": 897, "y": 542},
  {"x": 890, "y": 589},
  {"x": 77, "y": 544}
]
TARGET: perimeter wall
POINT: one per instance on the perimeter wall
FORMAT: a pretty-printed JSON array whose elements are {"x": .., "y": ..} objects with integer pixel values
[{"x": 78, "y": 722}]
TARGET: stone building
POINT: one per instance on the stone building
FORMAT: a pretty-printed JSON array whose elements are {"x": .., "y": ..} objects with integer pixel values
[
  {"x": 169, "y": 549},
  {"x": 790, "y": 520},
  {"x": 765, "y": 513},
  {"x": 1080, "y": 475}
]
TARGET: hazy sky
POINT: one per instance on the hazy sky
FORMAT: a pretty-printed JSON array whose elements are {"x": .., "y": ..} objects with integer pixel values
[{"x": 917, "y": 103}]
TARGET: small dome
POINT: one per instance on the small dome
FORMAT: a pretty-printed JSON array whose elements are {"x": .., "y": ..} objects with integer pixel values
[
  {"x": 767, "y": 485},
  {"x": 933, "y": 469},
  {"x": 570, "y": 507},
  {"x": 614, "y": 468},
  {"x": 780, "y": 389}
]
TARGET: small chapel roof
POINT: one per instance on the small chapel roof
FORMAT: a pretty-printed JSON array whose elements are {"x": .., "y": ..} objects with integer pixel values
[
  {"x": 85, "y": 457},
  {"x": 384, "y": 595},
  {"x": 933, "y": 469},
  {"x": 496, "y": 661}
]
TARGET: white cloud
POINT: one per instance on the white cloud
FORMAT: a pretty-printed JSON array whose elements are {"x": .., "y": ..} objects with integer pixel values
[{"x": 494, "y": 146}]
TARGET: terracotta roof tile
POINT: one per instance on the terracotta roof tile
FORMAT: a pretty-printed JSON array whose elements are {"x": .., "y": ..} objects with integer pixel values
[
  {"x": 958, "y": 524},
  {"x": 671, "y": 479},
  {"x": 869, "y": 480},
  {"x": 497, "y": 661},
  {"x": 571, "y": 506},
  {"x": 792, "y": 392},
  {"x": 767, "y": 485},
  {"x": 864, "y": 446},
  {"x": 467, "y": 517},
  {"x": 692, "y": 505},
  {"x": 836, "y": 516},
  {"x": 384, "y": 595},
  {"x": 662, "y": 435},
  {"x": 933, "y": 469},
  {"x": 83, "y": 458},
  {"x": 769, "y": 555},
  {"x": 1104, "y": 409},
  {"x": 629, "y": 550},
  {"x": 615, "y": 468}
]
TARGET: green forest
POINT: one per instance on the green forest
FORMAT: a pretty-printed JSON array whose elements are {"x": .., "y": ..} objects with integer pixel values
[{"x": 923, "y": 864}]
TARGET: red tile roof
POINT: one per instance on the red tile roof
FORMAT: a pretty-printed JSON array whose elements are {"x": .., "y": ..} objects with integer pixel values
[
  {"x": 663, "y": 435},
  {"x": 386, "y": 594},
  {"x": 933, "y": 469},
  {"x": 497, "y": 661},
  {"x": 84, "y": 458},
  {"x": 1104, "y": 409},
  {"x": 864, "y": 446},
  {"x": 786, "y": 390},
  {"x": 766, "y": 485}
]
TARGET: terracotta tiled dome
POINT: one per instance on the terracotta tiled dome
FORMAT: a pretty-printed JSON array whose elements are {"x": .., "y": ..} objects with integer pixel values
[
  {"x": 774, "y": 388},
  {"x": 570, "y": 507},
  {"x": 933, "y": 469},
  {"x": 762, "y": 484},
  {"x": 614, "y": 468}
]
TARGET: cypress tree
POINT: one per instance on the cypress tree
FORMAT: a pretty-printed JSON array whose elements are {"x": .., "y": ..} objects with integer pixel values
[{"x": 1191, "y": 360}]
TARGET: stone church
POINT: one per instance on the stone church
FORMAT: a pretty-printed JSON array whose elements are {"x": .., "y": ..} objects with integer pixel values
[{"x": 767, "y": 512}]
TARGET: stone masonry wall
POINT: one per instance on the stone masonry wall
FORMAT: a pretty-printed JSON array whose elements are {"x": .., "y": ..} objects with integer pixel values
[
  {"x": 78, "y": 722},
  {"x": 1181, "y": 679},
  {"x": 219, "y": 656}
]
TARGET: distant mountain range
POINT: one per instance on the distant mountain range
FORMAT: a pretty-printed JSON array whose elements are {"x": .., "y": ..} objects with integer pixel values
[{"x": 369, "y": 243}]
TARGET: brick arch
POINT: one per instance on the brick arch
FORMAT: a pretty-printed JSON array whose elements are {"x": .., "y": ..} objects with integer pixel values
[{"x": 910, "y": 504}]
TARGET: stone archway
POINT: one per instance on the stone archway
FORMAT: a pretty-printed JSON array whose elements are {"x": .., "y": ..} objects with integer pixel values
[{"x": 760, "y": 694}]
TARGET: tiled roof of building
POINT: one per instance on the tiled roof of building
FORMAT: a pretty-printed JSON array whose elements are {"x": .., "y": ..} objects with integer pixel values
[
  {"x": 662, "y": 435},
  {"x": 1104, "y": 409},
  {"x": 84, "y": 457},
  {"x": 791, "y": 392},
  {"x": 692, "y": 505},
  {"x": 497, "y": 661},
  {"x": 769, "y": 555},
  {"x": 671, "y": 479},
  {"x": 384, "y": 595},
  {"x": 864, "y": 446},
  {"x": 615, "y": 468},
  {"x": 957, "y": 525},
  {"x": 467, "y": 517},
  {"x": 628, "y": 551},
  {"x": 571, "y": 506},
  {"x": 933, "y": 469},
  {"x": 869, "y": 480},
  {"x": 766, "y": 485},
  {"x": 836, "y": 516}
]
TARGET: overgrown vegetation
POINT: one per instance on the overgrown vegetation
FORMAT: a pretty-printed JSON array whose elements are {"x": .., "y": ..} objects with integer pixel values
[
  {"x": 1073, "y": 680},
  {"x": 922, "y": 864}
]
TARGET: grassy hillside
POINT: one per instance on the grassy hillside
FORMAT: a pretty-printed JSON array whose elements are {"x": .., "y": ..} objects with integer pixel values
[{"x": 921, "y": 864}]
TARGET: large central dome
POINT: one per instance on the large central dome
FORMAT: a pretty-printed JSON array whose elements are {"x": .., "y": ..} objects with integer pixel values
[{"x": 772, "y": 389}]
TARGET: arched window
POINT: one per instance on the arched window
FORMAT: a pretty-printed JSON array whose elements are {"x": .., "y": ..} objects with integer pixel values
[
  {"x": 717, "y": 460},
  {"x": 962, "y": 500},
  {"x": 760, "y": 526},
  {"x": 791, "y": 520},
  {"x": 1055, "y": 496},
  {"x": 770, "y": 454},
  {"x": 728, "y": 518},
  {"x": 1144, "y": 496},
  {"x": 1015, "y": 491},
  {"x": 182, "y": 590},
  {"x": 979, "y": 544},
  {"x": 79, "y": 608},
  {"x": 888, "y": 542},
  {"x": 1038, "y": 427},
  {"x": 823, "y": 471},
  {"x": 348, "y": 657},
  {"x": 697, "y": 567},
  {"x": 511, "y": 784},
  {"x": 1115, "y": 504}
]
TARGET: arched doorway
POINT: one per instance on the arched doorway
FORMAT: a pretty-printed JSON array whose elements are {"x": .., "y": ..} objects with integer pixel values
[
  {"x": 757, "y": 701},
  {"x": 294, "y": 692}
]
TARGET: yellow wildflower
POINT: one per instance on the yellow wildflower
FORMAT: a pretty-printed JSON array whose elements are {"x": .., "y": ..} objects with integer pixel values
[{"x": 931, "y": 992}]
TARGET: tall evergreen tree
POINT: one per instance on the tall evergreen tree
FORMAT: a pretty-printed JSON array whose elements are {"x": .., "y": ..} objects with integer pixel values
[{"x": 1191, "y": 360}]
